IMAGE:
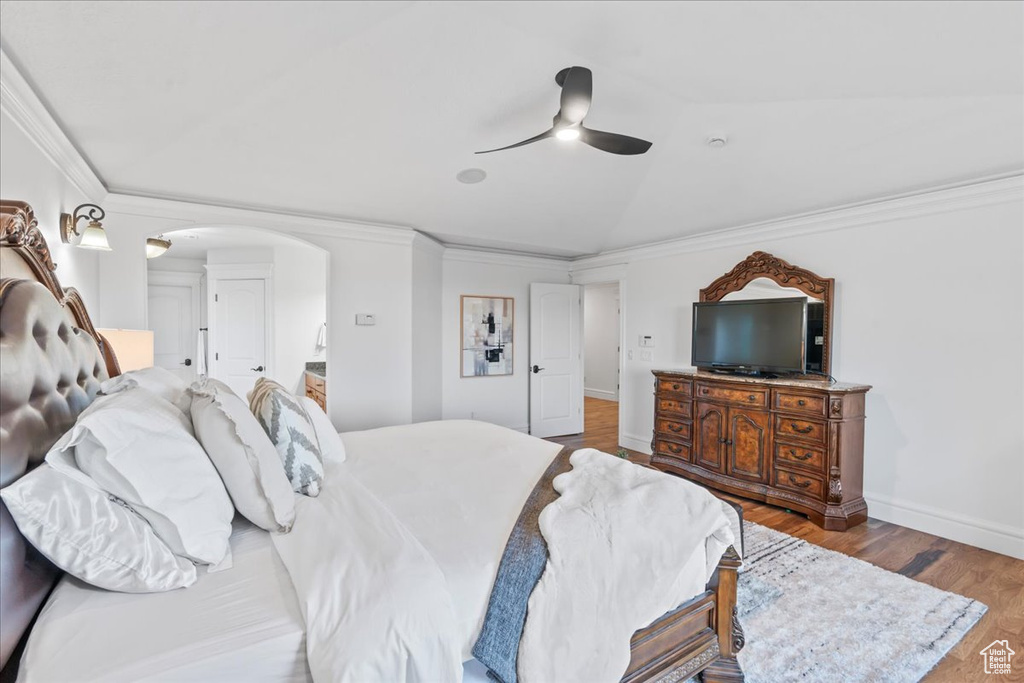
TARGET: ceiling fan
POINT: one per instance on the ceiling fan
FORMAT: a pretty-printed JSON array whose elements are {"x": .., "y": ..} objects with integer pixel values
[{"x": 577, "y": 85}]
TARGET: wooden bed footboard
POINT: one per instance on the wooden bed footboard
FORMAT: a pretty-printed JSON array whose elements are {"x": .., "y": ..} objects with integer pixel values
[{"x": 700, "y": 636}]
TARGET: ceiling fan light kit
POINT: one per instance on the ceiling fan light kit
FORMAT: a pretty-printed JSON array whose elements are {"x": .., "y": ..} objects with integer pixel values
[{"x": 577, "y": 83}]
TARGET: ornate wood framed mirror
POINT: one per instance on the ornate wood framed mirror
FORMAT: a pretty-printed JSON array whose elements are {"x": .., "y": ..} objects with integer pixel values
[{"x": 762, "y": 275}]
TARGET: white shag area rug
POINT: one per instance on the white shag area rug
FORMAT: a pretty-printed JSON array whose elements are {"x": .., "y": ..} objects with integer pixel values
[{"x": 811, "y": 614}]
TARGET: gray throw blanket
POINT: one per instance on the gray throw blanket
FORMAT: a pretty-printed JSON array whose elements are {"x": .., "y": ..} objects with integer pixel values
[{"x": 521, "y": 567}]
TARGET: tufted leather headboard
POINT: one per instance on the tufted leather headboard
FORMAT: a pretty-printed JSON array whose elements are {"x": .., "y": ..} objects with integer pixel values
[{"x": 52, "y": 361}]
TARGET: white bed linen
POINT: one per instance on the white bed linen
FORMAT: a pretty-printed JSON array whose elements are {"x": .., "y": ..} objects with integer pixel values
[
  {"x": 458, "y": 486},
  {"x": 242, "y": 624},
  {"x": 460, "y": 497}
]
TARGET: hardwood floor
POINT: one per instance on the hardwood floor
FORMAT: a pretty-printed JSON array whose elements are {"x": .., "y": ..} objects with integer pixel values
[{"x": 993, "y": 579}]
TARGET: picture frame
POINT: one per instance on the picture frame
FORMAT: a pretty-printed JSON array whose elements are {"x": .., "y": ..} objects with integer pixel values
[{"x": 486, "y": 333}]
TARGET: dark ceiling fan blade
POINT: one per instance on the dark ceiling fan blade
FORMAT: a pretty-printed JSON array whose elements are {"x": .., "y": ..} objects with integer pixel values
[
  {"x": 613, "y": 142},
  {"x": 545, "y": 134},
  {"x": 577, "y": 92}
]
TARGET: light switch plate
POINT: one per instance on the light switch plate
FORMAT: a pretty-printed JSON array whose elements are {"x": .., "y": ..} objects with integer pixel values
[
  {"x": 366, "y": 319},
  {"x": 647, "y": 355},
  {"x": 646, "y": 341}
]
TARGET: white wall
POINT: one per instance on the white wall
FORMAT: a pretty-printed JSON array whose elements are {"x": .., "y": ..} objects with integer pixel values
[
  {"x": 427, "y": 281},
  {"x": 300, "y": 308},
  {"x": 28, "y": 175},
  {"x": 930, "y": 311},
  {"x": 368, "y": 271},
  {"x": 501, "y": 400},
  {"x": 601, "y": 341}
]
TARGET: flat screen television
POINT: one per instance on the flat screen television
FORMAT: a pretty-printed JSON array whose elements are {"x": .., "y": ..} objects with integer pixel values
[{"x": 754, "y": 335}]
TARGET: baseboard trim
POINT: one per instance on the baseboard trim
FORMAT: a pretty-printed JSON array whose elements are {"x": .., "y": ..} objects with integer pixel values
[
  {"x": 635, "y": 443},
  {"x": 601, "y": 394},
  {"x": 999, "y": 538}
]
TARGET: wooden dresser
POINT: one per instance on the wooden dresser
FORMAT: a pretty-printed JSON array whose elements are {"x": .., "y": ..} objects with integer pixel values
[
  {"x": 316, "y": 389},
  {"x": 794, "y": 443}
]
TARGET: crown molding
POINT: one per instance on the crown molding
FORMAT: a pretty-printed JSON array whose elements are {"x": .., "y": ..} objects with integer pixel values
[
  {"x": 193, "y": 214},
  {"x": 984, "y": 192},
  {"x": 499, "y": 258},
  {"x": 427, "y": 244},
  {"x": 19, "y": 102},
  {"x": 598, "y": 274}
]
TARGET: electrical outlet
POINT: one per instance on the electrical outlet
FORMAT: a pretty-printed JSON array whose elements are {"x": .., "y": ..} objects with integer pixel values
[
  {"x": 646, "y": 341},
  {"x": 646, "y": 355}
]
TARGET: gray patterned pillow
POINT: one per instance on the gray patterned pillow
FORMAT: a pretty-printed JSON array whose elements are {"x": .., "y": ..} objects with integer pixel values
[{"x": 288, "y": 425}]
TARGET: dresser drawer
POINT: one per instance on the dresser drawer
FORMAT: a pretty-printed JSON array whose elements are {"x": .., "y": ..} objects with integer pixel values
[
  {"x": 793, "y": 454},
  {"x": 677, "y": 450},
  {"x": 675, "y": 386},
  {"x": 792, "y": 427},
  {"x": 799, "y": 482},
  {"x": 314, "y": 382},
  {"x": 807, "y": 404},
  {"x": 682, "y": 408},
  {"x": 670, "y": 429},
  {"x": 754, "y": 397}
]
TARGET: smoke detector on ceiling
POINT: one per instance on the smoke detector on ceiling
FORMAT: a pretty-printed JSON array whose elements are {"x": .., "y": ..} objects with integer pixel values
[{"x": 717, "y": 141}]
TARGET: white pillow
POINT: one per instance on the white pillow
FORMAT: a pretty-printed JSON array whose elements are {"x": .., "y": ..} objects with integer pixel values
[
  {"x": 331, "y": 445},
  {"x": 92, "y": 535},
  {"x": 244, "y": 457},
  {"x": 140, "y": 448},
  {"x": 286, "y": 423},
  {"x": 159, "y": 381}
]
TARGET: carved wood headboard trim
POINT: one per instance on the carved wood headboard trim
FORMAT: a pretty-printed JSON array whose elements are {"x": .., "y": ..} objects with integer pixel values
[
  {"x": 19, "y": 231},
  {"x": 763, "y": 264}
]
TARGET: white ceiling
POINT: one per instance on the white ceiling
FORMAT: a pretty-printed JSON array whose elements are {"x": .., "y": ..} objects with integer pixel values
[{"x": 367, "y": 110}]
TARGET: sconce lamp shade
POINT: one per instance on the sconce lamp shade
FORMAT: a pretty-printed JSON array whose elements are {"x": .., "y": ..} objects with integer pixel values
[
  {"x": 93, "y": 237},
  {"x": 133, "y": 348},
  {"x": 156, "y": 246}
]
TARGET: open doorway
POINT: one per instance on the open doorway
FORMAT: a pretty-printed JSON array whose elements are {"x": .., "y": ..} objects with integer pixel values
[
  {"x": 241, "y": 303},
  {"x": 602, "y": 314}
]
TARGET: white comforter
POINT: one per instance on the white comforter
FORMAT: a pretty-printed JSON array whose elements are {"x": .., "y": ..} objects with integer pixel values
[
  {"x": 393, "y": 571},
  {"x": 619, "y": 537},
  {"x": 375, "y": 604}
]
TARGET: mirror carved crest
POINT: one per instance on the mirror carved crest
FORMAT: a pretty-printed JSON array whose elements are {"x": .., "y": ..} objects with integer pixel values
[{"x": 761, "y": 264}]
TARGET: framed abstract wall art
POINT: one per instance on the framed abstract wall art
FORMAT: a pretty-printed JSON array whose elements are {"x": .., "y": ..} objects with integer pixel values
[{"x": 486, "y": 335}]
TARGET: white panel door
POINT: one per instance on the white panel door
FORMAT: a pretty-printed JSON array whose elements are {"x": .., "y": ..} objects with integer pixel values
[
  {"x": 175, "y": 326},
  {"x": 556, "y": 364},
  {"x": 240, "y": 319}
]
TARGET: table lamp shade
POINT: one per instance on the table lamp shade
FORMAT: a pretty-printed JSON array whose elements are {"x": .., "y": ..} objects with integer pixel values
[{"x": 133, "y": 348}]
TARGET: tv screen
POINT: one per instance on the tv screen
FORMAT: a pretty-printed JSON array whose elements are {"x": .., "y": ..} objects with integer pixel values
[{"x": 756, "y": 334}]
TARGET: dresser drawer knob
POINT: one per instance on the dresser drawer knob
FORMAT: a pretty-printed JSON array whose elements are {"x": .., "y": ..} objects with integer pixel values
[
  {"x": 805, "y": 456},
  {"x": 704, "y": 391},
  {"x": 675, "y": 386},
  {"x": 801, "y": 402},
  {"x": 675, "y": 428},
  {"x": 802, "y": 484},
  {"x": 674, "y": 448},
  {"x": 752, "y": 397},
  {"x": 805, "y": 430}
]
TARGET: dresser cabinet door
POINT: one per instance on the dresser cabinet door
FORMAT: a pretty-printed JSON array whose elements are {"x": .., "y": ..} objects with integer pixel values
[
  {"x": 747, "y": 444},
  {"x": 710, "y": 436}
]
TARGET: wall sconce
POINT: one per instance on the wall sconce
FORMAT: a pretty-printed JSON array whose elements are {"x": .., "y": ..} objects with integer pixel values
[
  {"x": 156, "y": 246},
  {"x": 93, "y": 237}
]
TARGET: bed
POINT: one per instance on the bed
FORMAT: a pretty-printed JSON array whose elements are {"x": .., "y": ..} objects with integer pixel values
[{"x": 248, "y": 623}]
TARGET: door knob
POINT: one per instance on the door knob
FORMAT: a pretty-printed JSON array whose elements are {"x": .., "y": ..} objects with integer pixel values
[
  {"x": 187, "y": 362},
  {"x": 536, "y": 369},
  {"x": 258, "y": 368}
]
